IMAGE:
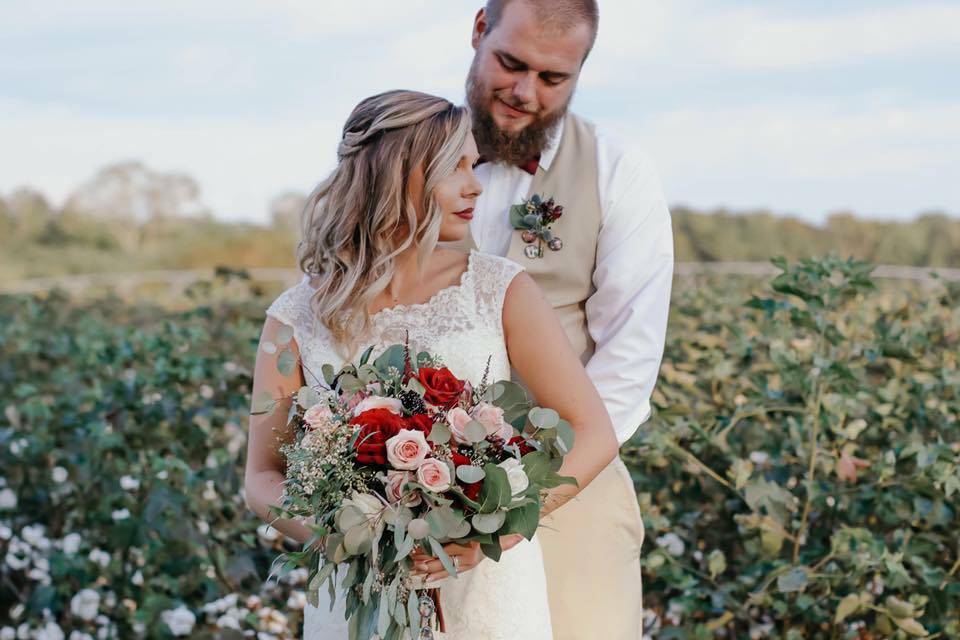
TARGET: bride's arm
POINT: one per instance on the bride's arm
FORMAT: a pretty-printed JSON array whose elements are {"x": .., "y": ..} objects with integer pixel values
[
  {"x": 543, "y": 357},
  {"x": 265, "y": 470}
]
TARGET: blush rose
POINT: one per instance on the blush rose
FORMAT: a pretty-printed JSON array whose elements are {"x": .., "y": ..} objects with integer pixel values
[{"x": 407, "y": 450}]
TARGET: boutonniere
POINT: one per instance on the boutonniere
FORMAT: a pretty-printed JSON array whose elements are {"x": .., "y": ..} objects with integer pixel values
[{"x": 533, "y": 218}]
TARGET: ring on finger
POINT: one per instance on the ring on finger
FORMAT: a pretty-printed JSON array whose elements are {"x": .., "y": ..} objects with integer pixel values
[{"x": 456, "y": 562}]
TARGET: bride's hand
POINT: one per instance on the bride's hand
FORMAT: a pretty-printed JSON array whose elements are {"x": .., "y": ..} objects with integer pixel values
[
  {"x": 468, "y": 555},
  {"x": 464, "y": 557}
]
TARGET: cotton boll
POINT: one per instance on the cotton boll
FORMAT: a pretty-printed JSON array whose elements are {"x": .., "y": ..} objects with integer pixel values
[
  {"x": 85, "y": 604},
  {"x": 49, "y": 631},
  {"x": 180, "y": 621},
  {"x": 267, "y": 533},
  {"x": 100, "y": 557},
  {"x": 672, "y": 543},
  {"x": 8, "y": 499},
  {"x": 227, "y": 622},
  {"x": 71, "y": 543},
  {"x": 34, "y": 534},
  {"x": 297, "y": 600},
  {"x": 59, "y": 475}
]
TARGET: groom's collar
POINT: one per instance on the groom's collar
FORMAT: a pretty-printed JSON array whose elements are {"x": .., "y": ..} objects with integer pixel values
[{"x": 548, "y": 154}]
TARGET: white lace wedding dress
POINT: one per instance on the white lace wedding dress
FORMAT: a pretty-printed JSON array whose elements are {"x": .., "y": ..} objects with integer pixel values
[{"x": 505, "y": 600}]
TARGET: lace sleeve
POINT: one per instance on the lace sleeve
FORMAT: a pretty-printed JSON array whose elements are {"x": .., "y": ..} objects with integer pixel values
[
  {"x": 493, "y": 276},
  {"x": 291, "y": 308}
]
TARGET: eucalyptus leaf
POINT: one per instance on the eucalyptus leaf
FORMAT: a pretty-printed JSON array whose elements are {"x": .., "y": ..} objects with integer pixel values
[
  {"x": 442, "y": 556},
  {"x": 517, "y": 212},
  {"x": 470, "y": 474},
  {"x": 523, "y": 520},
  {"x": 268, "y": 346},
  {"x": 439, "y": 433},
  {"x": 565, "y": 435},
  {"x": 263, "y": 403},
  {"x": 328, "y": 374},
  {"x": 350, "y": 383},
  {"x": 413, "y": 614},
  {"x": 418, "y": 528},
  {"x": 475, "y": 432},
  {"x": 495, "y": 492},
  {"x": 488, "y": 522},
  {"x": 394, "y": 357},
  {"x": 286, "y": 362},
  {"x": 543, "y": 418},
  {"x": 383, "y": 613},
  {"x": 307, "y": 397},
  {"x": 366, "y": 355}
]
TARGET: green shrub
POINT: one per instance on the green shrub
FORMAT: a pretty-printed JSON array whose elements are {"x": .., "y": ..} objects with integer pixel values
[
  {"x": 802, "y": 476},
  {"x": 122, "y": 444},
  {"x": 123, "y": 435}
]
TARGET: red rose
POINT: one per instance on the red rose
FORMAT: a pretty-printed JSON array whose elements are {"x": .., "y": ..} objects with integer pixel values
[
  {"x": 471, "y": 489},
  {"x": 420, "y": 422},
  {"x": 376, "y": 427},
  {"x": 443, "y": 389},
  {"x": 522, "y": 443}
]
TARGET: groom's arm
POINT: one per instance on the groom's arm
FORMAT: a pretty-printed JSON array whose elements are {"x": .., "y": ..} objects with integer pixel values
[{"x": 627, "y": 315}]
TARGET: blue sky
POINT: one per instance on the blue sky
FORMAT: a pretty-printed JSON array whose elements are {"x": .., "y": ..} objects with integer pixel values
[{"x": 801, "y": 107}]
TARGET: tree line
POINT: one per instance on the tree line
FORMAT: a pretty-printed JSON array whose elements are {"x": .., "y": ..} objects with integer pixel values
[{"x": 129, "y": 217}]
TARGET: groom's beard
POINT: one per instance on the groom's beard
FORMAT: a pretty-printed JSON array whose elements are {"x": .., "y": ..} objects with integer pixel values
[{"x": 498, "y": 145}]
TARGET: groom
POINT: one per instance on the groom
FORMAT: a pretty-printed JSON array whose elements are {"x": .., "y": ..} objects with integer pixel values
[{"x": 608, "y": 277}]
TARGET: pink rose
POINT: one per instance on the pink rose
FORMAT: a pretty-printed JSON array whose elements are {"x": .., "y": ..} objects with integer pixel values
[
  {"x": 318, "y": 416},
  {"x": 458, "y": 419},
  {"x": 491, "y": 418},
  {"x": 407, "y": 449},
  {"x": 394, "y": 488},
  {"x": 379, "y": 402},
  {"x": 434, "y": 475}
]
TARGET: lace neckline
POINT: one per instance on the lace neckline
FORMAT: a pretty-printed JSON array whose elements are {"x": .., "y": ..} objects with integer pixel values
[{"x": 452, "y": 289}]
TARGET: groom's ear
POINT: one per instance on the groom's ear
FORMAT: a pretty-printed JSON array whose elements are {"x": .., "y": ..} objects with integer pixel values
[{"x": 479, "y": 28}]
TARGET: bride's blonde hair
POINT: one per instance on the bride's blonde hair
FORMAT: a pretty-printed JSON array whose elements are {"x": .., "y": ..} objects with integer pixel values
[{"x": 363, "y": 215}]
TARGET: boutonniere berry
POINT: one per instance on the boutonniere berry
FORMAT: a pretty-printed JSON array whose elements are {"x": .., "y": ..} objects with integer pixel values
[{"x": 533, "y": 218}]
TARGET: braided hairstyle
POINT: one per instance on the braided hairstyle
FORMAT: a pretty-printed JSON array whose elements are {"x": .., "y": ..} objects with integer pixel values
[{"x": 363, "y": 215}]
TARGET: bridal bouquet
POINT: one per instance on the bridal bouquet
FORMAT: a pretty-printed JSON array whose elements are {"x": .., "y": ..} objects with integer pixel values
[{"x": 397, "y": 453}]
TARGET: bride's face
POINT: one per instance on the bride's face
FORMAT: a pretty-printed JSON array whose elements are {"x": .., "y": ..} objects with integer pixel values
[{"x": 456, "y": 195}]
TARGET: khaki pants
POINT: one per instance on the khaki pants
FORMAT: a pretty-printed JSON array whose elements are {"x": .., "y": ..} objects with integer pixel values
[{"x": 592, "y": 555}]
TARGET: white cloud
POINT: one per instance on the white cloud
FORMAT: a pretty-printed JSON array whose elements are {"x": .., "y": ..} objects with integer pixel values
[
  {"x": 810, "y": 156},
  {"x": 684, "y": 35},
  {"x": 240, "y": 163},
  {"x": 305, "y": 63}
]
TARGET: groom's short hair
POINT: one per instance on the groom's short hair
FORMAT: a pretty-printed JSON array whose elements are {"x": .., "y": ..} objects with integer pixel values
[{"x": 557, "y": 14}]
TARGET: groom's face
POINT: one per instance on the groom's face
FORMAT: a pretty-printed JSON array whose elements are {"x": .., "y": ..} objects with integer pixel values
[{"x": 523, "y": 74}]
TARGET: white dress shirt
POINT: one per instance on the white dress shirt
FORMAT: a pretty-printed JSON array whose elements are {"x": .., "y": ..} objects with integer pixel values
[{"x": 627, "y": 314}]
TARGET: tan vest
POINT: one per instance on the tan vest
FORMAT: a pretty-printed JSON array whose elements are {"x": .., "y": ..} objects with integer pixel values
[{"x": 566, "y": 276}]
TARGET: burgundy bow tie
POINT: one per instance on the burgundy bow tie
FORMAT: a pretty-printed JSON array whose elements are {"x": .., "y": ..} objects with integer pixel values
[{"x": 530, "y": 166}]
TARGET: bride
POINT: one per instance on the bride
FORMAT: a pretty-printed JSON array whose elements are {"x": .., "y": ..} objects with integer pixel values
[{"x": 374, "y": 274}]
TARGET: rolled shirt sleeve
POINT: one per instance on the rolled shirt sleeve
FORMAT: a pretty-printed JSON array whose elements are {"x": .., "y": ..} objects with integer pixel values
[{"x": 627, "y": 314}]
